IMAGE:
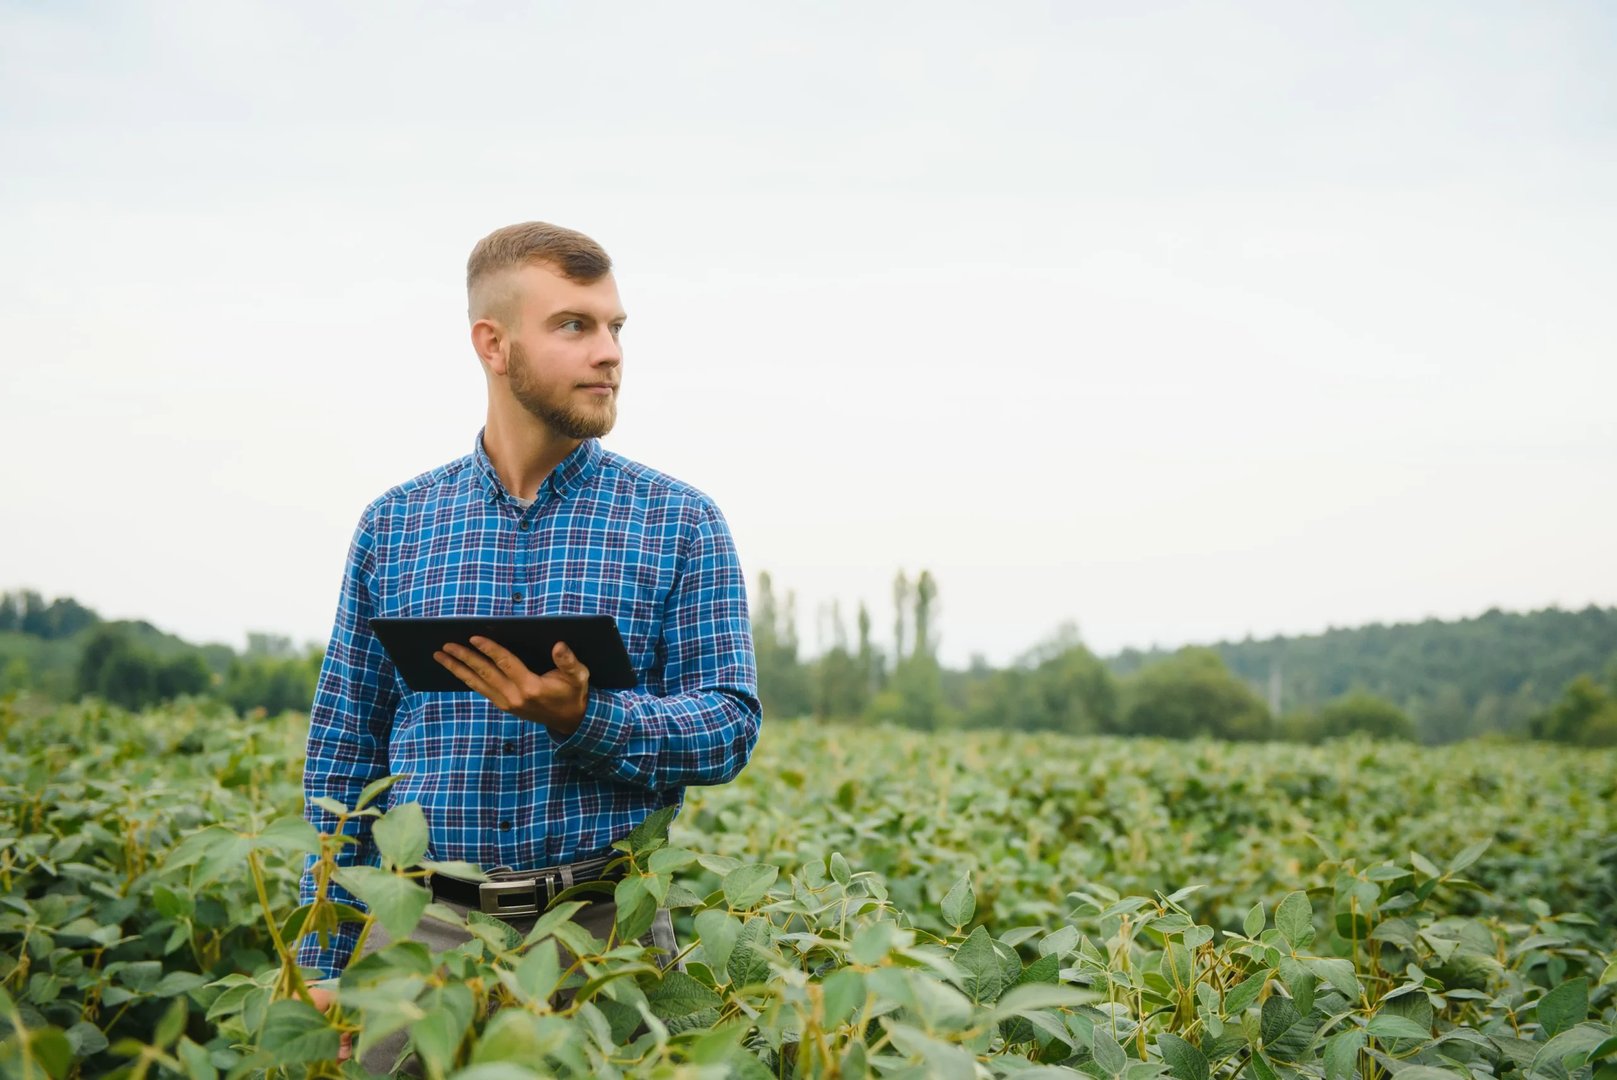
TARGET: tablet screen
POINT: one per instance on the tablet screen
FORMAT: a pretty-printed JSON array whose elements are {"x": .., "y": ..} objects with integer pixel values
[{"x": 594, "y": 639}]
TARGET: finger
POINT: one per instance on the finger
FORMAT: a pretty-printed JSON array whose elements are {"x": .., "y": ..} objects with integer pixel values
[
  {"x": 465, "y": 675},
  {"x": 503, "y": 658},
  {"x": 484, "y": 668},
  {"x": 568, "y": 663}
]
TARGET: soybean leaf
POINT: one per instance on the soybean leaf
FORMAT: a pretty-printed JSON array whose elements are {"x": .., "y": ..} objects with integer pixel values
[
  {"x": 1469, "y": 855},
  {"x": 1108, "y": 1055},
  {"x": 943, "y": 1060},
  {"x": 650, "y": 834},
  {"x": 401, "y": 835},
  {"x": 1342, "y": 1054},
  {"x": 1295, "y": 920},
  {"x": 749, "y": 960},
  {"x": 960, "y": 903},
  {"x": 1337, "y": 972},
  {"x": 717, "y": 931},
  {"x": 1059, "y": 942},
  {"x": 1279, "y": 1016},
  {"x": 1390, "y": 1026},
  {"x": 296, "y": 1032},
  {"x": 1261, "y": 1069},
  {"x": 290, "y": 835},
  {"x": 841, "y": 993},
  {"x": 375, "y": 788},
  {"x": 1252, "y": 925},
  {"x": 398, "y": 903},
  {"x": 746, "y": 885},
  {"x": 1564, "y": 1007},
  {"x": 1033, "y": 996},
  {"x": 1185, "y": 1062},
  {"x": 636, "y": 907},
  {"x": 679, "y": 995},
  {"x": 977, "y": 960},
  {"x": 1570, "y": 1048},
  {"x": 666, "y": 860},
  {"x": 547, "y": 924}
]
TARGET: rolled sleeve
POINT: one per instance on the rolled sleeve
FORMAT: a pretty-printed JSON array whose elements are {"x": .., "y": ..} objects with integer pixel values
[{"x": 703, "y": 730}]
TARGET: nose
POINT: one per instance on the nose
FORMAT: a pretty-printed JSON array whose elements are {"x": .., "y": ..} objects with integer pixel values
[{"x": 608, "y": 351}]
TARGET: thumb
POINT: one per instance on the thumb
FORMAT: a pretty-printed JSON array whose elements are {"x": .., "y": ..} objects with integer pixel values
[{"x": 567, "y": 663}]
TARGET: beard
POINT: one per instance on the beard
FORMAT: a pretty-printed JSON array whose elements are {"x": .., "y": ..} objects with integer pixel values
[{"x": 561, "y": 413}]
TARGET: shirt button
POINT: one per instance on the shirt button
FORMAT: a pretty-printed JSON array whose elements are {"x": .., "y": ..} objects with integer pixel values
[
  {"x": 510, "y": 748},
  {"x": 505, "y": 826},
  {"x": 523, "y": 524},
  {"x": 516, "y": 597}
]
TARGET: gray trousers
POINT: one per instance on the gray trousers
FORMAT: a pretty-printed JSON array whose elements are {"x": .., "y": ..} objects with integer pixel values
[{"x": 596, "y": 917}]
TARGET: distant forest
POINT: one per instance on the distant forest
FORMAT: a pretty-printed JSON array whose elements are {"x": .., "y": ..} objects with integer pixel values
[
  {"x": 62, "y": 651},
  {"x": 1548, "y": 674},
  {"x": 1491, "y": 673}
]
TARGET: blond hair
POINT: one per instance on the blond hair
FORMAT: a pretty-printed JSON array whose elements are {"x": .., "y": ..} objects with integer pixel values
[{"x": 570, "y": 253}]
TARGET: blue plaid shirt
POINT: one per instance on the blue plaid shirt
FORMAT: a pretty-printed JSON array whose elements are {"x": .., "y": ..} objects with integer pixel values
[{"x": 605, "y": 535}]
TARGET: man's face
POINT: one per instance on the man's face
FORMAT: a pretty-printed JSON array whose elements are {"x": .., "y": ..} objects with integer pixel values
[{"x": 565, "y": 363}]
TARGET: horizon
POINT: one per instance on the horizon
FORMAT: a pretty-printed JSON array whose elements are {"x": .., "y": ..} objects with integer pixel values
[{"x": 883, "y": 644}]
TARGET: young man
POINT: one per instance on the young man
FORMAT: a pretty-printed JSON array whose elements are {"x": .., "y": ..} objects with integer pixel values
[{"x": 536, "y": 774}]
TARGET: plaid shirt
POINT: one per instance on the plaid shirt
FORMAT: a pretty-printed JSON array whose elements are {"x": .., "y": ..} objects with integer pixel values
[{"x": 605, "y": 535}]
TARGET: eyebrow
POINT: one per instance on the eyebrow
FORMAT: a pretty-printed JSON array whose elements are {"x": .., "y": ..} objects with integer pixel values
[{"x": 563, "y": 316}]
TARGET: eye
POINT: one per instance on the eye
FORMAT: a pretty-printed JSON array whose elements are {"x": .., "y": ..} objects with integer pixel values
[
  {"x": 617, "y": 328},
  {"x": 573, "y": 325}
]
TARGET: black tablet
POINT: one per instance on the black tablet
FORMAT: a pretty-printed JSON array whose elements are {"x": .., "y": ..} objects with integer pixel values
[{"x": 594, "y": 639}]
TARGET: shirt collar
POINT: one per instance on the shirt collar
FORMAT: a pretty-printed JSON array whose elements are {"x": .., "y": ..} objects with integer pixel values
[{"x": 574, "y": 469}]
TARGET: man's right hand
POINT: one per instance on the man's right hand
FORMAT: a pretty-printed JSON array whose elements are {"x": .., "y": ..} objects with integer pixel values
[{"x": 323, "y": 1000}]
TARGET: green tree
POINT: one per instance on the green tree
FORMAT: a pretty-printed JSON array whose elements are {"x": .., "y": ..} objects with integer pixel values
[
  {"x": 1059, "y": 685},
  {"x": 914, "y": 695},
  {"x": 285, "y": 685},
  {"x": 842, "y": 684},
  {"x": 15, "y": 676},
  {"x": 1362, "y": 713},
  {"x": 1192, "y": 694},
  {"x": 130, "y": 679},
  {"x": 784, "y": 688},
  {"x": 870, "y": 661},
  {"x": 183, "y": 675},
  {"x": 1584, "y": 716}
]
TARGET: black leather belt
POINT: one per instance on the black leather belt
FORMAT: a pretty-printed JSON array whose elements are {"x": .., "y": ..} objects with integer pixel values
[{"x": 517, "y": 894}]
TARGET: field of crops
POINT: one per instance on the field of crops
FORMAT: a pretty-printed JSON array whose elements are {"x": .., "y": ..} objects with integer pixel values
[{"x": 860, "y": 903}]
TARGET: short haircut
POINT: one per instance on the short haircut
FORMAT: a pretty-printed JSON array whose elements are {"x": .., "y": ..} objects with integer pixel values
[{"x": 572, "y": 254}]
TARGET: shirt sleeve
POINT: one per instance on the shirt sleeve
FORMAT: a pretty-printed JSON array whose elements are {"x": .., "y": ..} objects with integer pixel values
[
  {"x": 703, "y": 729},
  {"x": 348, "y": 731}
]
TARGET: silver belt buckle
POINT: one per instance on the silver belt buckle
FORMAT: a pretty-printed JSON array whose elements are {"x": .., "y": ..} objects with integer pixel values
[{"x": 490, "y": 894}]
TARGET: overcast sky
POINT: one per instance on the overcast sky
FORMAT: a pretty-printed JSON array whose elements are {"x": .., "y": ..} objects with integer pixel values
[{"x": 1178, "y": 321}]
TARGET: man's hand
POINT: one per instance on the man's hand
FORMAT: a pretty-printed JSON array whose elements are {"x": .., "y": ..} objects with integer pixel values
[
  {"x": 555, "y": 699},
  {"x": 323, "y": 1000}
]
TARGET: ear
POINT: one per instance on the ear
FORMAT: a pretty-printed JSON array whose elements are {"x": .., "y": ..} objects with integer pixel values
[{"x": 489, "y": 340}]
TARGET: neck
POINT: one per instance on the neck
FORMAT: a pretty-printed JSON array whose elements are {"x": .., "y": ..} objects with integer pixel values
[{"x": 522, "y": 449}]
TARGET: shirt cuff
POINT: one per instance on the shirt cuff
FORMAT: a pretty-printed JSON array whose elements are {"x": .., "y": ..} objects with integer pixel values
[{"x": 602, "y": 735}]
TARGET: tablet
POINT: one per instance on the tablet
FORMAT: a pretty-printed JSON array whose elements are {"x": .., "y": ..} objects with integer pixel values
[{"x": 594, "y": 639}]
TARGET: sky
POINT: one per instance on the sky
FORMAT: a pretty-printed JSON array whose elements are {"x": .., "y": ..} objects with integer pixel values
[{"x": 1179, "y": 322}]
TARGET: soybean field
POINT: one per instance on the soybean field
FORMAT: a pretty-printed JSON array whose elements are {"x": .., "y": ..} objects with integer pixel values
[{"x": 861, "y": 902}]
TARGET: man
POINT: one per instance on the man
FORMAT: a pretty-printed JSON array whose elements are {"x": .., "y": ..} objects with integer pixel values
[{"x": 537, "y": 774}]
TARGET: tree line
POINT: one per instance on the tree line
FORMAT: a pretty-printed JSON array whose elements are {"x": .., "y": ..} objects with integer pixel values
[
  {"x": 1546, "y": 675},
  {"x": 64, "y": 651}
]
